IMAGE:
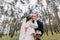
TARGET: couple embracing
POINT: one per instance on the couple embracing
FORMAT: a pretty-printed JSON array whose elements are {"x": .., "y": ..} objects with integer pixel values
[{"x": 31, "y": 29}]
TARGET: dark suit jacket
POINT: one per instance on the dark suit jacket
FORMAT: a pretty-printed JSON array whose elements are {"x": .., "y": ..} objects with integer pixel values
[{"x": 40, "y": 27}]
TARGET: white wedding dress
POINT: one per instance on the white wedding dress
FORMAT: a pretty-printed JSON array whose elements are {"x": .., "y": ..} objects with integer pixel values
[{"x": 27, "y": 35}]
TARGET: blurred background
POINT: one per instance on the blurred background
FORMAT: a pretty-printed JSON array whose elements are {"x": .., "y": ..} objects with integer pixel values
[{"x": 12, "y": 12}]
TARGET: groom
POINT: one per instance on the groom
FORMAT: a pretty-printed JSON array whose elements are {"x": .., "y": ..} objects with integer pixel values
[{"x": 39, "y": 31}]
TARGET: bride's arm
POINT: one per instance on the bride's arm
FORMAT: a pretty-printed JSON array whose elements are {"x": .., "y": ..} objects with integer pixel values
[
  {"x": 34, "y": 25},
  {"x": 26, "y": 29}
]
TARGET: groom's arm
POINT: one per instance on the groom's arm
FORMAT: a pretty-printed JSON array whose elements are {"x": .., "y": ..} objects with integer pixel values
[
  {"x": 40, "y": 27},
  {"x": 42, "y": 30}
]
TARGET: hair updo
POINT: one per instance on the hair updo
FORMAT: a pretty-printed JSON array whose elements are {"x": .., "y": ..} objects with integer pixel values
[{"x": 28, "y": 18}]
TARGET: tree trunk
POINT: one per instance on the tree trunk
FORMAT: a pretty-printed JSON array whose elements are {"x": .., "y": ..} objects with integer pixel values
[
  {"x": 47, "y": 1},
  {"x": 55, "y": 10}
]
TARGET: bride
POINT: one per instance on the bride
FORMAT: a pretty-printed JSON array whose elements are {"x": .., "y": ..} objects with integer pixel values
[{"x": 27, "y": 29}]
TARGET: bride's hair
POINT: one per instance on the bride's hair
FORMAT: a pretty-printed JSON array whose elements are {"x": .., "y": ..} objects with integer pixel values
[{"x": 28, "y": 18}]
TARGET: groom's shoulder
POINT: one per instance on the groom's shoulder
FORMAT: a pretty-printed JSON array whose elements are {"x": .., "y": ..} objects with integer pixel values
[{"x": 39, "y": 21}]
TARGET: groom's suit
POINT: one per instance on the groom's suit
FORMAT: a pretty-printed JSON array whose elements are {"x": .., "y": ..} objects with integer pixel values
[{"x": 40, "y": 27}]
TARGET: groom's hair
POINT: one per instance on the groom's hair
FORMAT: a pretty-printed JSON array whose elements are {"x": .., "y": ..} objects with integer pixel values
[
  {"x": 36, "y": 13},
  {"x": 28, "y": 18}
]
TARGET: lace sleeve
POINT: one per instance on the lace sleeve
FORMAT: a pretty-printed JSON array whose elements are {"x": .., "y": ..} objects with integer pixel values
[{"x": 34, "y": 25}]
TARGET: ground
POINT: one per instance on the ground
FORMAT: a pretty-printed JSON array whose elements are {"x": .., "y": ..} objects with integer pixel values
[{"x": 44, "y": 37}]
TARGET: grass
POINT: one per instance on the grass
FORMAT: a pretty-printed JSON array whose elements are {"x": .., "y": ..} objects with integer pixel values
[
  {"x": 44, "y": 37},
  {"x": 9, "y": 38},
  {"x": 51, "y": 37}
]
